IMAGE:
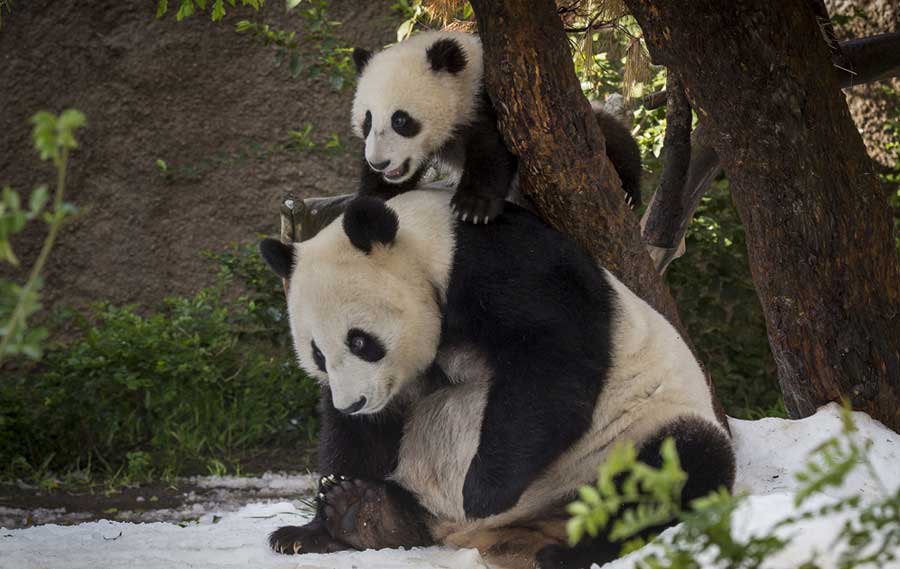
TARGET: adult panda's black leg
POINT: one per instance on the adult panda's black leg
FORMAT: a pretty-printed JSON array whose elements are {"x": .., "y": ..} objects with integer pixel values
[
  {"x": 706, "y": 455},
  {"x": 488, "y": 171},
  {"x": 351, "y": 447}
]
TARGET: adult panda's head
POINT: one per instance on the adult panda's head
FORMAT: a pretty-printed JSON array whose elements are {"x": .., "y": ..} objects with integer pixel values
[
  {"x": 412, "y": 97},
  {"x": 363, "y": 300}
]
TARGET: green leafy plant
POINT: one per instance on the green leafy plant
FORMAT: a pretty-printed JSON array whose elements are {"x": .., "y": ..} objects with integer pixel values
[
  {"x": 187, "y": 8},
  {"x": 54, "y": 139},
  {"x": 302, "y": 139},
  {"x": 630, "y": 497}
]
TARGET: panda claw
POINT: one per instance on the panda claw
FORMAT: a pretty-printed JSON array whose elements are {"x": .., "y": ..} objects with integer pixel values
[{"x": 297, "y": 547}]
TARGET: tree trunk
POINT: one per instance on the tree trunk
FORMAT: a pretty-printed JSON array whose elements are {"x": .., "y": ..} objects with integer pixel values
[
  {"x": 818, "y": 228},
  {"x": 547, "y": 122}
]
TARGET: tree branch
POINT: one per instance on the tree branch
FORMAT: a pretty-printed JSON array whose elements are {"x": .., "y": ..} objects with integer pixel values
[
  {"x": 703, "y": 169},
  {"x": 660, "y": 224}
]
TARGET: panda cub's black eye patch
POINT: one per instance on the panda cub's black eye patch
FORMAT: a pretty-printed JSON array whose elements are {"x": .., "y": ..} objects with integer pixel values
[
  {"x": 367, "y": 124},
  {"x": 405, "y": 125},
  {"x": 364, "y": 345},
  {"x": 318, "y": 356}
]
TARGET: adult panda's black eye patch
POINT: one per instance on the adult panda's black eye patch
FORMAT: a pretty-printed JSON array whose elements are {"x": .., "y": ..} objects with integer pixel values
[
  {"x": 367, "y": 124},
  {"x": 364, "y": 345},
  {"x": 405, "y": 125},
  {"x": 318, "y": 356}
]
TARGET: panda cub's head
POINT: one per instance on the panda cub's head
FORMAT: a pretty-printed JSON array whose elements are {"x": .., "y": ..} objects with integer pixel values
[
  {"x": 412, "y": 97},
  {"x": 361, "y": 302}
]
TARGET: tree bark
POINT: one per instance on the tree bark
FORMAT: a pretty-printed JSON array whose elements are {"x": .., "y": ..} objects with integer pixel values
[{"x": 819, "y": 232}]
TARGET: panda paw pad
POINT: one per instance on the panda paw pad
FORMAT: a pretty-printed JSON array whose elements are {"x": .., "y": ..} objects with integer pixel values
[{"x": 347, "y": 506}]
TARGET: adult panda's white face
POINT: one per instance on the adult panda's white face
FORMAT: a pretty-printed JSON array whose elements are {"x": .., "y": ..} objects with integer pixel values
[
  {"x": 362, "y": 306},
  {"x": 412, "y": 97}
]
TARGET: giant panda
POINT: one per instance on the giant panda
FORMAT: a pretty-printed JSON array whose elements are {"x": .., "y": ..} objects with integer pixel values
[
  {"x": 423, "y": 101},
  {"x": 475, "y": 376}
]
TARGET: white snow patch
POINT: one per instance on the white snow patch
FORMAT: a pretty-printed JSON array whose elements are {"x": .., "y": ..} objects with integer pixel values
[
  {"x": 269, "y": 483},
  {"x": 769, "y": 452}
]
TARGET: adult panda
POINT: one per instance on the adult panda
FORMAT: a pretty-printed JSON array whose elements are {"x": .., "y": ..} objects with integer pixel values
[
  {"x": 423, "y": 101},
  {"x": 475, "y": 377}
]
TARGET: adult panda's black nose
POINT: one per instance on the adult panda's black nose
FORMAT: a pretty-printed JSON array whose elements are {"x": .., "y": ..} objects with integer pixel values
[
  {"x": 355, "y": 407},
  {"x": 380, "y": 165}
]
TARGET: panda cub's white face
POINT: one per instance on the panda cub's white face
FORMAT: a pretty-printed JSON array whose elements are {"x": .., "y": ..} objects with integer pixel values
[
  {"x": 363, "y": 312},
  {"x": 412, "y": 97}
]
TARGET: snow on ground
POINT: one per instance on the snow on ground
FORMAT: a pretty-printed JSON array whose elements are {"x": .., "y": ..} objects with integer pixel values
[{"x": 769, "y": 451}]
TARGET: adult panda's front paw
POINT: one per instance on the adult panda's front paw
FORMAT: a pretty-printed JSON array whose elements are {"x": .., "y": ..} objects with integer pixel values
[
  {"x": 311, "y": 538},
  {"x": 473, "y": 208}
]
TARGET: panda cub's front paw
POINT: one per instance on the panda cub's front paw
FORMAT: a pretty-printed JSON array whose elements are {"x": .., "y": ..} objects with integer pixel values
[{"x": 473, "y": 208}]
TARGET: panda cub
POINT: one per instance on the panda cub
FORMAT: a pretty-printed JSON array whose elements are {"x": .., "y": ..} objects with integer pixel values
[
  {"x": 474, "y": 377},
  {"x": 423, "y": 101}
]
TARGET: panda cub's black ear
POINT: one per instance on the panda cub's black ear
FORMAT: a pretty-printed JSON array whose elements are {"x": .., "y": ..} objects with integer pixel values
[
  {"x": 446, "y": 55},
  {"x": 278, "y": 256},
  {"x": 368, "y": 221},
  {"x": 361, "y": 58}
]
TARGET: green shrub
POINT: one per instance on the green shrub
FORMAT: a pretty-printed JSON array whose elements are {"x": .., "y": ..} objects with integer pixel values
[
  {"x": 199, "y": 381},
  {"x": 630, "y": 497}
]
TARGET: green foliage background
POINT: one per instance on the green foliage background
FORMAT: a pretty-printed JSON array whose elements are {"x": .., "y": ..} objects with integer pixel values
[{"x": 190, "y": 387}]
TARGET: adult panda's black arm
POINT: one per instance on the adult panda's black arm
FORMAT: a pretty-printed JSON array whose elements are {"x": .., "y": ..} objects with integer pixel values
[
  {"x": 539, "y": 310},
  {"x": 357, "y": 447},
  {"x": 488, "y": 170}
]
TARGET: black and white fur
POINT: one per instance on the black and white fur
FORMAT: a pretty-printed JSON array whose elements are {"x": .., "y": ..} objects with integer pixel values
[
  {"x": 484, "y": 373},
  {"x": 423, "y": 101}
]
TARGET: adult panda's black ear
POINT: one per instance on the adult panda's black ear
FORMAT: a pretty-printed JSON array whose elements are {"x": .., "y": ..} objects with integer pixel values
[
  {"x": 368, "y": 221},
  {"x": 278, "y": 256},
  {"x": 361, "y": 58},
  {"x": 446, "y": 55}
]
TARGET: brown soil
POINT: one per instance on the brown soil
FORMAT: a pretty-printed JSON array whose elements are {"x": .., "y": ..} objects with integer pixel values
[{"x": 195, "y": 94}]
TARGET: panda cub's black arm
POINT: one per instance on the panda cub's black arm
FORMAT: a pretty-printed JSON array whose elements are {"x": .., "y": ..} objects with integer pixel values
[{"x": 488, "y": 171}]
